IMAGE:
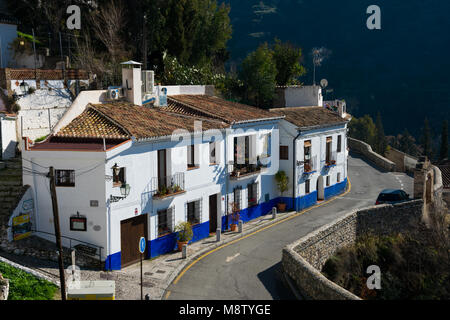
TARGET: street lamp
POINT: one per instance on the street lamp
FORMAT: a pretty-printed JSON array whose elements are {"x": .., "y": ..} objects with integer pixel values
[
  {"x": 24, "y": 87},
  {"x": 125, "y": 190}
]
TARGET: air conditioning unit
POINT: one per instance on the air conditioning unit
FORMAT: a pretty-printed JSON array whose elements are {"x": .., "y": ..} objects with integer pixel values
[
  {"x": 115, "y": 93},
  {"x": 148, "y": 81}
]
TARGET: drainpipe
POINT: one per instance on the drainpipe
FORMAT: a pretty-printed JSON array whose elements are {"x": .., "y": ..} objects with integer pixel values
[
  {"x": 226, "y": 178},
  {"x": 294, "y": 170}
]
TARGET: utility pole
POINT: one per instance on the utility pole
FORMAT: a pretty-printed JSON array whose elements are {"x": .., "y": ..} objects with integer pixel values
[{"x": 62, "y": 278}]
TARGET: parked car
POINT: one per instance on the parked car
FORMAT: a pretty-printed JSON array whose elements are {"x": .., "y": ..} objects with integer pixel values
[{"x": 391, "y": 196}]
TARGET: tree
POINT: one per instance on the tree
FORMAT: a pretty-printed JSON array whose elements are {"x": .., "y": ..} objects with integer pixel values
[
  {"x": 108, "y": 24},
  {"x": 363, "y": 129},
  {"x": 258, "y": 74},
  {"x": 287, "y": 60},
  {"x": 444, "y": 141},
  {"x": 381, "y": 142},
  {"x": 426, "y": 140},
  {"x": 407, "y": 144}
]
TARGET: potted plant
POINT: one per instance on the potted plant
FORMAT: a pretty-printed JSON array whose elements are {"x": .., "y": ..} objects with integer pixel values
[
  {"x": 234, "y": 216},
  {"x": 282, "y": 182},
  {"x": 184, "y": 234}
]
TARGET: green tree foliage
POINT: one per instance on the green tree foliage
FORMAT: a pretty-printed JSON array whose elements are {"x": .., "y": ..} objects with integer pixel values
[
  {"x": 426, "y": 140},
  {"x": 258, "y": 75},
  {"x": 407, "y": 144},
  {"x": 443, "y": 154},
  {"x": 363, "y": 129},
  {"x": 287, "y": 60},
  {"x": 380, "y": 141}
]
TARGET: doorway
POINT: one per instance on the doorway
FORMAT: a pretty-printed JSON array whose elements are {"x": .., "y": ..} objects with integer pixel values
[
  {"x": 320, "y": 189},
  {"x": 213, "y": 213},
  {"x": 131, "y": 230}
]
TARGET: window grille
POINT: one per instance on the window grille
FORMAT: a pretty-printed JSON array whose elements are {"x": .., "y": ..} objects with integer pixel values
[
  {"x": 165, "y": 224},
  {"x": 65, "y": 178},
  {"x": 194, "y": 211}
]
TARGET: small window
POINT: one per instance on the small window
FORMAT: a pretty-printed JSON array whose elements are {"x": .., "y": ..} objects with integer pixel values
[
  {"x": 328, "y": 181},
  {"x": 165, "y": 221},
  {"x": 237, "y": 197},
  {"x": 252, "y": 194},
  {"x": 212, "y": 153},
  {"x": 119, "y": 179},
  {"x": 284, "y": 153},
  {"x": 307, "y": 187},
  {"x": 339, "y": 143},
  {"x": 78, "y": 223},
  {"x": 65, "y": 178},
  {"x": 194, "y": 212},
  {"x": 339, "y": 177}
]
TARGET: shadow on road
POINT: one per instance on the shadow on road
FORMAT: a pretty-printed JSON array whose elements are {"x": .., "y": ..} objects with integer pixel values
[{"x": 272, "y": 279}]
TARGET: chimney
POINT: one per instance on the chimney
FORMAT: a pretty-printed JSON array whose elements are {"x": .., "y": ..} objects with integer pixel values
[{"x": 132, "y": 82}]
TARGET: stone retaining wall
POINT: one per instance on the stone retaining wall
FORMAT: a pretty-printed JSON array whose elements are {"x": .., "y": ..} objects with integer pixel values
[
  {"x": 366, "y": 150},
  {"x": 4, "y": 288},
  {"x": 303, "y": 259}
]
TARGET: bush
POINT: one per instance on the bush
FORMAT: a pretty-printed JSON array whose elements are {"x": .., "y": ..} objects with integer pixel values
[
  {"x": 24, "y": 286},
  {"x": 412, "y": 266},
  {"x": 184, "y": 230}
]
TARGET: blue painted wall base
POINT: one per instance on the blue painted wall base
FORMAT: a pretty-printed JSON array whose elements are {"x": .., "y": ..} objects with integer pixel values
[{"x": 168, "y": 243}]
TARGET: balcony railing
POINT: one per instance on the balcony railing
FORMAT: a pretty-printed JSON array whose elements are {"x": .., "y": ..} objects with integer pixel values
[
  {"x": 238, "y": 171},
  {"x": 331, "y": 159},
  {"x": 167, "y": 186},
  {"x": 310, "y": 165}
]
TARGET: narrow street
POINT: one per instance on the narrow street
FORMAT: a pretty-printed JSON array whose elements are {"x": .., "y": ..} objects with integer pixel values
[{"x": 249, "y": 269}]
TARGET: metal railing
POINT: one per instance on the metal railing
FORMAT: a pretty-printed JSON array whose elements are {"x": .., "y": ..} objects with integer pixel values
[
  {"x": 167, "y": 185},
  {"x": 86, "y": 248}
]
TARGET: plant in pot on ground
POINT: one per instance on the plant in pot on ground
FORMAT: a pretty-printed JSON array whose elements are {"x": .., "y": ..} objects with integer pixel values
[
  {"x": 184, "y": 234},
  {"x": 282, "y": 183},
  {"x": 234, "y": 215}
]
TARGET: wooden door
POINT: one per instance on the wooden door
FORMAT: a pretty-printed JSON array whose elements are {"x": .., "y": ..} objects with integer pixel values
[
  {"x": 131, "y": 230},
  {"x": 162, "y": 169},
  {"x": 212, "y": 213}
]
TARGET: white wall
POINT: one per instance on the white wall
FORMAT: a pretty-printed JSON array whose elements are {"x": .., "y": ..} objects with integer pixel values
[
  {"x": 303, "y": 96},
  {"x": 89, "y": 185},
  {"x": 8, "y": 137}
]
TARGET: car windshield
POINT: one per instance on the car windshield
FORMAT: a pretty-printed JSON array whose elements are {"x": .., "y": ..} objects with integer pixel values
[{"x": 389, "y": 197}]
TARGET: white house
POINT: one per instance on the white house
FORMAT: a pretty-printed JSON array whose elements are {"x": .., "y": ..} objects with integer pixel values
[
  {"x": 124, "y": 170},
  {"x": 313, "y": 153}
]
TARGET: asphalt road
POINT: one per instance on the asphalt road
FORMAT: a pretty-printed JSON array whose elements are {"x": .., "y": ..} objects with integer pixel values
[{"x": 249, "y": 269}]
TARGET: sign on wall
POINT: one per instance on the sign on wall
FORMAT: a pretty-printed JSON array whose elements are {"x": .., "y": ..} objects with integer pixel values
[{"x": 21, "y": 227}]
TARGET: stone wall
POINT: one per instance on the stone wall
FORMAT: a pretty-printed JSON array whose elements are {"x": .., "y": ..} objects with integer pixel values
[
  {"x": 403, "y": 161},
  {"x": 364, "y": 149},
  {"x": 303, "y": 259}
]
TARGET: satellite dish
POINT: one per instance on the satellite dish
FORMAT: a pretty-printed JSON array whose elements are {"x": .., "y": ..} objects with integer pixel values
[{"x": 324, "y": 83}]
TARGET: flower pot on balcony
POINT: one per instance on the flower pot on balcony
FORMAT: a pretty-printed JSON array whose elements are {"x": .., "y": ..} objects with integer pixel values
[
  {"x": 181, "y": 244},
  {"x": 281, "y": 206},
  {"x": 307, "y": 167}
]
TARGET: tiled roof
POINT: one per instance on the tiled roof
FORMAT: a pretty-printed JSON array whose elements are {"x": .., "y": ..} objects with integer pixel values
[
  {"x": 309, "y": 116},
  {"x": 93, "y": 124},
  {"x": 124, "y": 120},
  {"x": 216, "y": 108}
]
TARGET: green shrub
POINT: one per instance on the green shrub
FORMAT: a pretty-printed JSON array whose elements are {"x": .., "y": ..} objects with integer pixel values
[
  {"x": 24, "y": 286},
  {"x": 184, "y": 230}
]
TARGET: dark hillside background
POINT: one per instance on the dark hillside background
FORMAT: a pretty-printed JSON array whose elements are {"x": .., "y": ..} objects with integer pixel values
[{"x": 402, "y": 70}]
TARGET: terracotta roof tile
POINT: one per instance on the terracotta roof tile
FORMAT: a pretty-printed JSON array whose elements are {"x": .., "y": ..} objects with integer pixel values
[
  {"x": 216, "y": 108},
  {"x": 124, "y": 120},
  {"x": 309, "y": 116}
]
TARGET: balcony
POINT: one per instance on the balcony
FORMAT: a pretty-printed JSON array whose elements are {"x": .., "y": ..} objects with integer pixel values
[
  {"x": 310, "y": 165},
  {"x": 330, "y": 160},
  {"x": 167, "y": 186},
  {"x": 243, "y": 171}
]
